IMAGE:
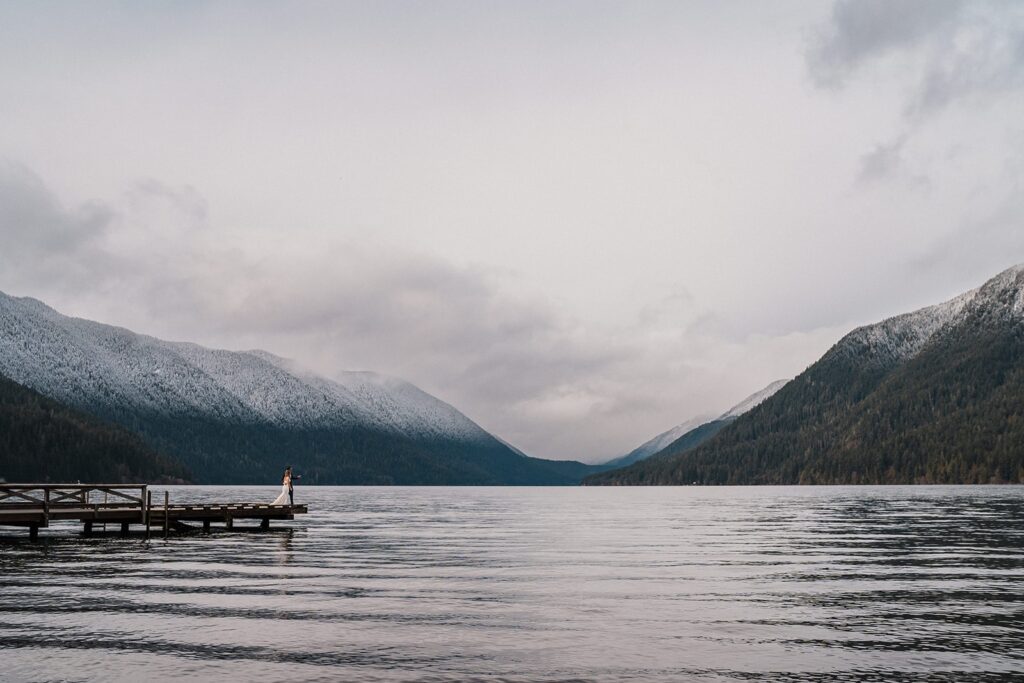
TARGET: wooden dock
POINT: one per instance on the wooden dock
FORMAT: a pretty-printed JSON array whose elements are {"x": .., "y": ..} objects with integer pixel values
[{"x": 36, "y": 505}]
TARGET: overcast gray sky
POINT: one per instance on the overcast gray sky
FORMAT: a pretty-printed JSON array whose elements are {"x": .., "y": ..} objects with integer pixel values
[{"x": 579, "y": 222}]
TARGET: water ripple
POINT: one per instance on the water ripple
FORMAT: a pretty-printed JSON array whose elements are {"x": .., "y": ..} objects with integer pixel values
[{"x": 816, "y": 584}]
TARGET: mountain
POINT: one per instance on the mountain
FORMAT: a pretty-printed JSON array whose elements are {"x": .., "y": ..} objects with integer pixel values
[
  {"x": 752, "y": 401},
  {"x": 933, "y": 396},
  {"x": 649, "y": 448},
  {"x": 692, "y": 433},
  {"x": 240, "y": 417},
  {"x": 44, "y": 441}
]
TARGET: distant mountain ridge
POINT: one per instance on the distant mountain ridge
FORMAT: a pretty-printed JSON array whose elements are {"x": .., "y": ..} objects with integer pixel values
[
  {"x": 241, "y": 416},
  {"x": 695, "y": 431},
  {"x": 932, "y": 396},
  {"x": 652, "y": 446}
]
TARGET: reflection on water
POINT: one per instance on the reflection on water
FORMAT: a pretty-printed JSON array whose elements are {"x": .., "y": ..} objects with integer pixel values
[{"x": 533, "y": 584}]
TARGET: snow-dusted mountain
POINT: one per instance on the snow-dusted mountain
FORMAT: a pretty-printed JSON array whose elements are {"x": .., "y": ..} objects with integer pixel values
[
  {"x": 754, "y": 400},
  {"x": 88, "y": 364},
  {"x": 879, "y": 346},
  {"x": 652, "y": 446},
  {"x": 900, "y": 338},
  {"x": 704, "y": 423},
  {"x": 931, "y": 396},
  {"x": 187, "y": 398}
]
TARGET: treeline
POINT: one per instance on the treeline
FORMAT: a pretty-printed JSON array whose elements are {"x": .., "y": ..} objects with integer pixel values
[
  {"x": 954, "y": 414},
  {"x": 44, "y": 441},
  {"x": 257, "y": 453}
]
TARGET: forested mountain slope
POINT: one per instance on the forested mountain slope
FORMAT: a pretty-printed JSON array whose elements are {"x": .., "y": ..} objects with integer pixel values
[
  {"x": 44, "y": 441},
  {"x": 934, "y": 396}
]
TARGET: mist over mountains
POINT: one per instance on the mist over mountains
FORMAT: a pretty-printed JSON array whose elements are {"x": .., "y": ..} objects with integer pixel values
[{"x": 243, "y": 416}]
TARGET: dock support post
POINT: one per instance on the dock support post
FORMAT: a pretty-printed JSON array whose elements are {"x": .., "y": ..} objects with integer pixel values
[
  {"x": 33, "y": 532},
  {"x": 265, "y": 523},
  {"x": 229, "y": 522},
  {"x": 167, "y": 504},
  {"x": 206, "y": 526},
  {"x": 87, "y": 528},
  {"x": 124, "y": 528},
  {"x": 143, "y": 505},
  {"x": 149, "y": 507}
]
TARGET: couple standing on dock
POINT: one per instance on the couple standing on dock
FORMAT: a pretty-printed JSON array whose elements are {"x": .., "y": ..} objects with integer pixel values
[{"x": 287, "y": 488}]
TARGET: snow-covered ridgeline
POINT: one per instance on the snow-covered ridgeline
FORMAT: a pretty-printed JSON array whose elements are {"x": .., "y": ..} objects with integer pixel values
[
  {"x": 649, "y": 448},
  {"x": 95, "y": 367},
  {"x": 903, "y": 336},
  {"x": 754, "y": 400}
]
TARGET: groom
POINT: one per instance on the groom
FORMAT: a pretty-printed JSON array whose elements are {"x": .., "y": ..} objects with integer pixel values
[{"x": 291, "y": 484}]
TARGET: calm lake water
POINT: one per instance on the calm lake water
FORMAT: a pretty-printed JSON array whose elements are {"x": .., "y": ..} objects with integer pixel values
[{"x": 538, "y": 584}]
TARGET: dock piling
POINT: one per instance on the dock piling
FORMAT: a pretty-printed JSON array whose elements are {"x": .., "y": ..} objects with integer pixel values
[
  {"x": 167, "y": 505},
  {"x": 143, "y": 505}
]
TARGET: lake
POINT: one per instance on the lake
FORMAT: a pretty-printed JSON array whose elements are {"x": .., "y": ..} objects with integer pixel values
[{"x": 537, "y": 584}]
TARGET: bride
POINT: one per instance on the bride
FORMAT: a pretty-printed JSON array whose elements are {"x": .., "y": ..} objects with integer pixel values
[{"x": 286, "y": 483}]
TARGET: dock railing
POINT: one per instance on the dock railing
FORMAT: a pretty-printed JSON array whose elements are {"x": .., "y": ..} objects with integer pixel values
[{"x": 50, "y": 497}]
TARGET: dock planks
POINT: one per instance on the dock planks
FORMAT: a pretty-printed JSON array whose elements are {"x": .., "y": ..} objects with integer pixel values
[{"x": 36, "y": 505}]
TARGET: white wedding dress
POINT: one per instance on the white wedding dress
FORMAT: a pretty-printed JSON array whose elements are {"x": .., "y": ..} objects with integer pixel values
[{"x": 283, "y": 498}]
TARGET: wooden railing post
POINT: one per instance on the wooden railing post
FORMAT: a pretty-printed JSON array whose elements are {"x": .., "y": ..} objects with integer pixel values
[
  {"x": 46, "y": 506},
  {"x": 149, "y": 511}
]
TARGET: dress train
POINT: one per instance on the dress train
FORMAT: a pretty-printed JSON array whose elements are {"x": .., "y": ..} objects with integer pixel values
[{"x": 283, "y": 498}]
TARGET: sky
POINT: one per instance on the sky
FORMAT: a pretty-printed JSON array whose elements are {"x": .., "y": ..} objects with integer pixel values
[{"x": 581, "y": 223}]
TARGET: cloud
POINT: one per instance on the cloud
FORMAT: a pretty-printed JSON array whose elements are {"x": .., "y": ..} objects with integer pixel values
[
  {"x": 881, "y": 162},
  {"x": 860, "y": 31},
  {"x": 886, "y": 162},
  {"x": 945, "y": 50},
  {"x": 956, "y": 68},
  {"x": 44, "y": 242},
  {"x": 983, "y": 58}
]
